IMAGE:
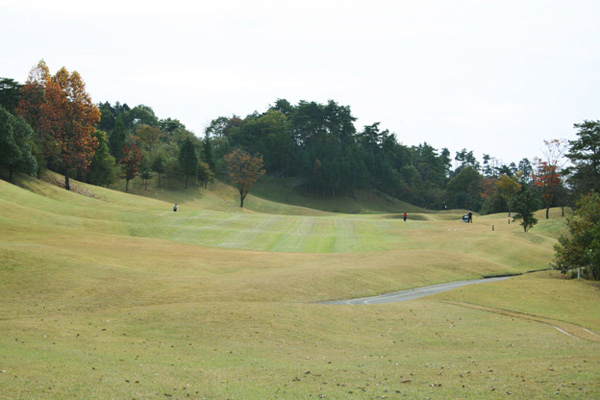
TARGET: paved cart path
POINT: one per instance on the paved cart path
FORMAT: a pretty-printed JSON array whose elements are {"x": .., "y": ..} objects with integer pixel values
[{"x": 412, "y": 294}]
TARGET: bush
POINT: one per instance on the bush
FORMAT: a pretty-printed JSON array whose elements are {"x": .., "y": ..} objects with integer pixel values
[{"x": 580, "y": 248}]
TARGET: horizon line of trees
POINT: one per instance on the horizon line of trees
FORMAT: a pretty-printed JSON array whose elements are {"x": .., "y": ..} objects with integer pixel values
[{"x": 51, "y": 122}]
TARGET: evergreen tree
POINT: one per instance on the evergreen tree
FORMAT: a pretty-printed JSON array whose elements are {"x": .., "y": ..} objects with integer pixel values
[
  {"x": 464, "y": 190},
  {"x": 116, "y": 140},
  {"x": 207, "y": 156},
  {"x": 581, "y": 246},
  {"x": 15, "y": 144},
  {"x": 102, "y": 170},
  {"x": 524, "y": 205},
  {"x": 584, "y": 153},
  {"x": 9, "y": 94},
  {"x": 24, "y": 134},
  {"x": 10, "y": 153},
  {"x": 188, "y": 160}
]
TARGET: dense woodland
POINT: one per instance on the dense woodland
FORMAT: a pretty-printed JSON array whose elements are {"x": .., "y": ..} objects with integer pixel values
[{"x": 50, "y": 122}]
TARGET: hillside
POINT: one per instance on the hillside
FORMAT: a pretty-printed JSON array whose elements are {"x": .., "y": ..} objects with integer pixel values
[
  {"x": 113, "y": 295},
  {"x": 274, "y": 196}
]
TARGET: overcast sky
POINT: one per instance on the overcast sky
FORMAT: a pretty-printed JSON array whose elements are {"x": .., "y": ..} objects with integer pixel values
[{"x": 494, "y": 77}]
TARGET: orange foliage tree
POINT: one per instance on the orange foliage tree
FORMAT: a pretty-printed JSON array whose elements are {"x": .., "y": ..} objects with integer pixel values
[
  {"x": 547, "y": 176},
  {"x": 62, "y": 111},
  {"x": 244, "y": 171},
  {"x": 131, "y": 158},
  {"x": 488, "y": 188},
  {"x": 32, "y": 96}
]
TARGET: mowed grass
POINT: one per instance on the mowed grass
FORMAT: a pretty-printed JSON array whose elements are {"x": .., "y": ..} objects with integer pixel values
[{"x": 115, "y": 296}]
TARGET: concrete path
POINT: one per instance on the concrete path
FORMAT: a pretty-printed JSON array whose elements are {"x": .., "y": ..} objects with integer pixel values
[{"x": 412, "y": 294}]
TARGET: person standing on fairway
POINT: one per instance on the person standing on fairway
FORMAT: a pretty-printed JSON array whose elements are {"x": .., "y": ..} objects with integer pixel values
[
  {"x": 405, "y": 216},
  {"x": 175, "y": 208}
]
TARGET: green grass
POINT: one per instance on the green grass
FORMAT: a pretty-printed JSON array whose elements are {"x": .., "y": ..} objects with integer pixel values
[
  {"x": 112, "y": 295},
  {"x": 284, "y": 191},
  {"x": 273, "y": 196}
]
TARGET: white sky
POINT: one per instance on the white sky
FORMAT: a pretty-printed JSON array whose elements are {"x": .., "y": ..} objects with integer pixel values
[{"x": 495, "y": 77}]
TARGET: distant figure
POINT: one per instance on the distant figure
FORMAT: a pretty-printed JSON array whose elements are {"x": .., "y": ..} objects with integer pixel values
[
  {"x": 470, "y": 217},
  {"x": 175, "y": 208},
  {"x": 405, "y": 216}
]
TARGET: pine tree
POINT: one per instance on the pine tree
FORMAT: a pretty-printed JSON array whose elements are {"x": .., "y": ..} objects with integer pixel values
[{"x": 188, "y": 160}]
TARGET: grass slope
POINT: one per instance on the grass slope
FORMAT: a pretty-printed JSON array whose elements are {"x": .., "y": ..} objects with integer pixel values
[
  {"x": 112, "y": 295},
  {"x": 271, "y": 195}
]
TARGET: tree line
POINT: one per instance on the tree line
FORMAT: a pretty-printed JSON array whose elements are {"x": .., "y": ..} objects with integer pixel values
[
  {"x": 51, "y": 122},
  {"x": 318, "y": 147}
]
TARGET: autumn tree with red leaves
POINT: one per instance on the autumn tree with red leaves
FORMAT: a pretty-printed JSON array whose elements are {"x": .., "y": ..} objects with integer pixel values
[
  {"x": 488, "y": 188},
  {"x": 547, "y": 179},
  {"x": 63, "y": 112},
  {"x": 547, "y": 176},
  {"x": 32, "y": 96},
  {"x": 244, "y": 171},
  {"x": 131, "y": 159}
]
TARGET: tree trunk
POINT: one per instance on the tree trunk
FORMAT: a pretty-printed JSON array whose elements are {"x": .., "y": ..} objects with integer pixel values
[
  {"x": 127, "y": 185},
  {"x": 547, "y": 212},
  {"x": 10, "y": 173},
  {"x": 67, "y": 186}
]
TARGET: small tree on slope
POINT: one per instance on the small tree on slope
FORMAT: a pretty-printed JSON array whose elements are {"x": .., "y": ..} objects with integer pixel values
[{"x": 524, "y": 205}]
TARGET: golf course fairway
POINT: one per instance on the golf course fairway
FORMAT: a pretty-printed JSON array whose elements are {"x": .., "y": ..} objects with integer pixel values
[{"x": 107, "y": 295}]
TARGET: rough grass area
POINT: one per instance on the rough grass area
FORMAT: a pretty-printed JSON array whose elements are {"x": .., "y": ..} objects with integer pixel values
[{"x": 115, "y": 296}]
